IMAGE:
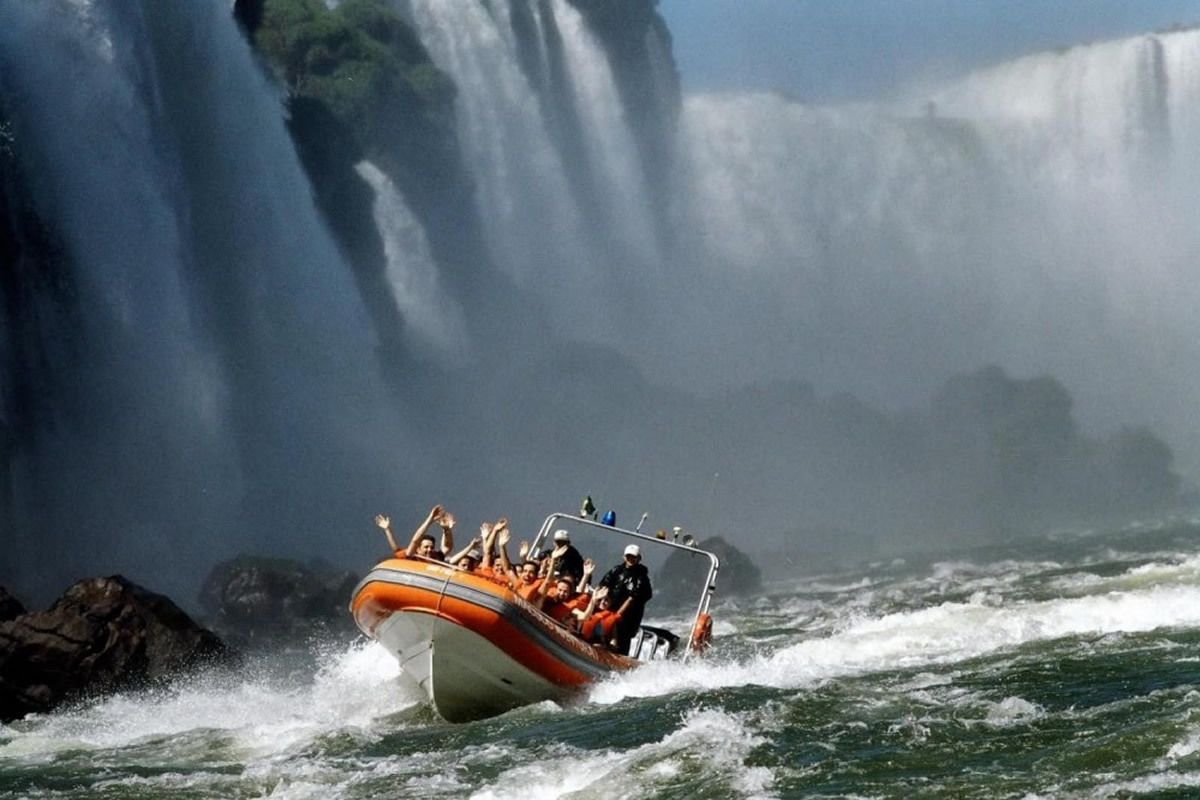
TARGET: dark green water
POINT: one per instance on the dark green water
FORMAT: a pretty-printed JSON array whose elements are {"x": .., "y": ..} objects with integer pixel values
[{"x": 1065, "y": 668}]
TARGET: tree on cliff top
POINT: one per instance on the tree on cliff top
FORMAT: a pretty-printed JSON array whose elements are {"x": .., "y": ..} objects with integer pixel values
[{"x": 362, "y": 61}]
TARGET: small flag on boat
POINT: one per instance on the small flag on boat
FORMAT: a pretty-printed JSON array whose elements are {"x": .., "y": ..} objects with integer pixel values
[{"x": 588, "y": 509}]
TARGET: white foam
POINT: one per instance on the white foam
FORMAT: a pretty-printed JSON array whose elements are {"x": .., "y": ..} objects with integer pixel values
[
  {"x": 937, "y": 635},
  {"x": 1185, "y": 747},
  {"x": 1145, "y": 784},
  {"x": 713, "y": 741},
  {"x": 349, "y": 691},
  {"x": 1013, "y": 711}
]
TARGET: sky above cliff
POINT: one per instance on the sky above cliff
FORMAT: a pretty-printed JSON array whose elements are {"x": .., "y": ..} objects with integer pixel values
[{"x": 857, "y": 49}]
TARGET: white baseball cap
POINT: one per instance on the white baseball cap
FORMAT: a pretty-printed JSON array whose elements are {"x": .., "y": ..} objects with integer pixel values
[
  {"x": 561, "y": 535},
  {"x": 633, "y": 550}
]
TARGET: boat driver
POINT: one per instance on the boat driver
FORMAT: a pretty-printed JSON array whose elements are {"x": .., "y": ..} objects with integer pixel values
[{"x": 629, "y": 590}]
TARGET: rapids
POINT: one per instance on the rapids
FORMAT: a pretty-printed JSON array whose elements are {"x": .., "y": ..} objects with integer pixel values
[
  {"x": 225, "y": 384},
  {"x": 1067, "y": 666}
]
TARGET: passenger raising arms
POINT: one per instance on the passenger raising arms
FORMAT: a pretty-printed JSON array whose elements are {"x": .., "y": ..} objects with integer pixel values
[
  {"x": 598, "y": 622},
  {"x": 422, "y": 543},
  {"x": 558, "y": 596},
  {"x": 470, "y": 557},
  {"x": 491, "y": 533},
  {"x": 524, "y": 581}
]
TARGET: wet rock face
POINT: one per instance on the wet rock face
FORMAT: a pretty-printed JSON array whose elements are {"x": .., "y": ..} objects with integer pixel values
[
  {"x": 101, "y": 635},
  {"x": 274, "y": 602},
  {"x": 739, "y": 574}
]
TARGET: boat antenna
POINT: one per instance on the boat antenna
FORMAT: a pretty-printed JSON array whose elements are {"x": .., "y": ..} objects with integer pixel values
[
  {"x": 641, "y": 522},
  {"x": 712, "y": 495}
]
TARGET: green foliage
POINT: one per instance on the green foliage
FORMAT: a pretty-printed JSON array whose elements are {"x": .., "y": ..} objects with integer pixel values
[{"x": 359, "y": 59}]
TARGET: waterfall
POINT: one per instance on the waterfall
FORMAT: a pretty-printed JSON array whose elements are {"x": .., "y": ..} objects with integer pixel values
[
  {"x": 215, "y": 369},
  {"x": 609, "y": 142},
  {"x": 1038, "y": 214},
  {"x": 216, "y": 317},
  {"x": 532, "y": 222},
  {"x": 412, "y": 272},
  {"x": 560, "y": 190},
  {"x": 1181, "y": 58}
]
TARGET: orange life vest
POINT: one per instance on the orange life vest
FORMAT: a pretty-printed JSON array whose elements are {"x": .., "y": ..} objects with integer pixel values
[
  {"x": 491, "y": 575},
  {"x": 529, "y": 590},
  {"x": 562, "y": 611},
  {"x": 599, "y": 627}
]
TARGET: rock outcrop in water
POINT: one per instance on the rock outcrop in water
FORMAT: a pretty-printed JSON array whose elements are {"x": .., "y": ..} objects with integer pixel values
[
  {"x": 678, "y": 582},
  {"x": 101, "y": 635},
  {"x": 277, "y": 602}
]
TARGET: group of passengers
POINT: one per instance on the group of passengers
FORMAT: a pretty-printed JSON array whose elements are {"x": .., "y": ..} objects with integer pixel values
[{"x": 558, "y": 581}]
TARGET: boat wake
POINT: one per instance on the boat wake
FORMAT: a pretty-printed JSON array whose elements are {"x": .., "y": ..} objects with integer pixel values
[{"x": 1141, "y": 599}]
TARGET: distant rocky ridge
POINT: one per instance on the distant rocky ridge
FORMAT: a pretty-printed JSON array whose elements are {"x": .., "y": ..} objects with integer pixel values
[{"x": 102, "y": 635}]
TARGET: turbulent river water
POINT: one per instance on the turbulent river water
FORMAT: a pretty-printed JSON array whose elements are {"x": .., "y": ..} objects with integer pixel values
[{"x": 1067, "y": 666}]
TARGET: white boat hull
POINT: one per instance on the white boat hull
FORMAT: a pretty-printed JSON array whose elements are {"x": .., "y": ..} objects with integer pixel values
[{"x": 465, "y": 676}]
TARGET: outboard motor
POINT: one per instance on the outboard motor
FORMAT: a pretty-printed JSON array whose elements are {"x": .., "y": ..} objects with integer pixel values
[{"x": 653, "y": 644}]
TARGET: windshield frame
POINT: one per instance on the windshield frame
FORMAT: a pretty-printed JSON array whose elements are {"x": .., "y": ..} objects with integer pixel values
[{"x": 710, "y": 584}]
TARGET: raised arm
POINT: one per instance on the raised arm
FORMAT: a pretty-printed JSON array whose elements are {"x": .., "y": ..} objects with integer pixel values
[
  {"x": 454, "y": 559},
  {"x": 582, "y": 614},
  {"x": 547, "y": 582},
  {"x": 589, "y": 567},
  {"x": 446, "y": 520},
  {"x": 421, "y": 531},
  {"x": 502, "y": 537},
  {"x": 489, "y": 543},
  {"x": 386, "y": 525}
]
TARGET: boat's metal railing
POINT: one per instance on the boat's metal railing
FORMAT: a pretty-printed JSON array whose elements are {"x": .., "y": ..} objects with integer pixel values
[{"x": 710, "y": 583}]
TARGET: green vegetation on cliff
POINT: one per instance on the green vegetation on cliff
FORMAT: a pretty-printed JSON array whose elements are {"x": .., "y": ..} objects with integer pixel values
[
  {"x": 360, "y": 85},
  {"x": 362, "y": 62}
]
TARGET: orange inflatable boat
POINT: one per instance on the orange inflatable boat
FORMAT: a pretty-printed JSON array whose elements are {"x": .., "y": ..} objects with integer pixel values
[{"x": 478, "y": 649}]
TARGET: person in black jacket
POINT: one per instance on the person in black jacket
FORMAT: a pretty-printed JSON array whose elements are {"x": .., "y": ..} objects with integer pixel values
[
  {"x": 629, "y": 589},
  {"x": 568, "y": 560}
]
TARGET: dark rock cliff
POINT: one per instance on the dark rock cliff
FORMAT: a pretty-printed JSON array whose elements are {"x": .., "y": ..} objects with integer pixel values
[{"x": 101, "y": 635}]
